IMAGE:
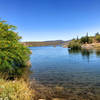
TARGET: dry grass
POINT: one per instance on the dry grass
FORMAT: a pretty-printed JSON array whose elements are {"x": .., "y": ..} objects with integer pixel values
[
  {"x": 15, "y": 90},
  {"x": 97, "y": 45}
]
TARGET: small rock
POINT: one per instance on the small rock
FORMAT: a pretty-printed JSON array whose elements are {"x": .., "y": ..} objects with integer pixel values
[{"x": 58, "y": 99}]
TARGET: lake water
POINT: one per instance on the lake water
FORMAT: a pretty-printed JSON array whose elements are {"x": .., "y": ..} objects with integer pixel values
[{"x": 58, "y": 66}]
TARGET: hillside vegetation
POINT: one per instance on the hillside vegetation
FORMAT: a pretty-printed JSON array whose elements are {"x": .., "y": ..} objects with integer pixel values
[{"x": 87, "y": 42}]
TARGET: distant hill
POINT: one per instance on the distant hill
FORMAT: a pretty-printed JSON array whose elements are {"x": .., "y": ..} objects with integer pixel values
[{"x": 45, "y": 43}]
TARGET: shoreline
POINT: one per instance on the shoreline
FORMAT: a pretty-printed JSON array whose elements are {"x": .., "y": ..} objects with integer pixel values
[{"x": 87, "y": 46}]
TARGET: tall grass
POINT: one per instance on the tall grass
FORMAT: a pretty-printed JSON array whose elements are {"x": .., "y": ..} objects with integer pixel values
[{"x": 15, "y": 90}]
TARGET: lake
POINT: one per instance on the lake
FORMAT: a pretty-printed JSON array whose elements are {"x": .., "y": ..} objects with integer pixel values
[{"x": 58, "y": 66}]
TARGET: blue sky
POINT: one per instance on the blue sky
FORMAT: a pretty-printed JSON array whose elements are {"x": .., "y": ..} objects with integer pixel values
[{"x": 42, "y": 20}]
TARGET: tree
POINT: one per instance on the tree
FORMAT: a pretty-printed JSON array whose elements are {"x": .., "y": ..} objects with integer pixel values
[
  {"x": 77, "y": 38},
  {"x": 97, "y": 34},
  {"x": 98, "y": 38},
  {"x": 86, "y": 39},
  {"x": 13, "y": 54}
]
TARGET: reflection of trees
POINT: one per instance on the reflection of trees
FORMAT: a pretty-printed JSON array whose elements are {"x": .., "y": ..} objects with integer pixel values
[
  {"x": 86, "y": 53},
  {"x": 98, "y": 52},
  {"x": 72, "y": 51},
  {"x": 83, "y": 52}
]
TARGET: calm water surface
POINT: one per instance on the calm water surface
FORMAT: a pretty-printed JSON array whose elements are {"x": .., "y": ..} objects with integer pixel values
[{"x": 63, "y": 67}]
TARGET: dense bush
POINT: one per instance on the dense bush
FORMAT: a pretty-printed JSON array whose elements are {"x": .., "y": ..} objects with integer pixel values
[
  {"x": 98, "y": 38},
  {"x": 86, "y": 39},
  {"x": 13, "y": 54},
  {"x": 90, "y": 40},
  {"x": 74, "y": 45},
  {"x": 97, "y": 34}
]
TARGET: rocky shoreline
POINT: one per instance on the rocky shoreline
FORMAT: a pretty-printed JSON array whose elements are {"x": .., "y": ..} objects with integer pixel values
[
  {"x": 87, "y": 46},
  {"x": 91, "y": 46}
]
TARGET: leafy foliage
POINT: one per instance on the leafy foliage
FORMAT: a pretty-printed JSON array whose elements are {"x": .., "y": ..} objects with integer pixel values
[
  {"x": 97, "y": 34},
  {"x": 97, "y": 37},
  {"x": 74, "y": 45},
  {"x": 13, "y": 54},
  {"x": 86, "y": 39}
]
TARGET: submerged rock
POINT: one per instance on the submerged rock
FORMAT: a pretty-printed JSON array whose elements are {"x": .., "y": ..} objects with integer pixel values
[{"x": 58, "y": 99}]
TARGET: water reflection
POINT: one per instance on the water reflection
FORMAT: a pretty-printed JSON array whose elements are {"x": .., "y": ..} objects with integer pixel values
[
  {"x": 84, "y": 52},
  {"x": 98, "y": 53},
  {"x": 71, "y": 51},
  {"x": 62, "y": 67}
]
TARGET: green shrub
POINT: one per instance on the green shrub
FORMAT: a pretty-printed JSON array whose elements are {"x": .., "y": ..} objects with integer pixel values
[
  {"x": 86, "y": 39},
  {"x": 97, "y": 34},
  {"x": 13, "y": 54},
  {"x": 74, "y": 45},
  {"x": 98, "y": 38},
  {"x": 90, "y": 40}
]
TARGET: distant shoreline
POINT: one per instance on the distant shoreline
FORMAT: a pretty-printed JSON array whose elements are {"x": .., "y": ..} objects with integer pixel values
[
  {"x": 87, "y": 46},
  {"x": 45, "y": 43}
]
